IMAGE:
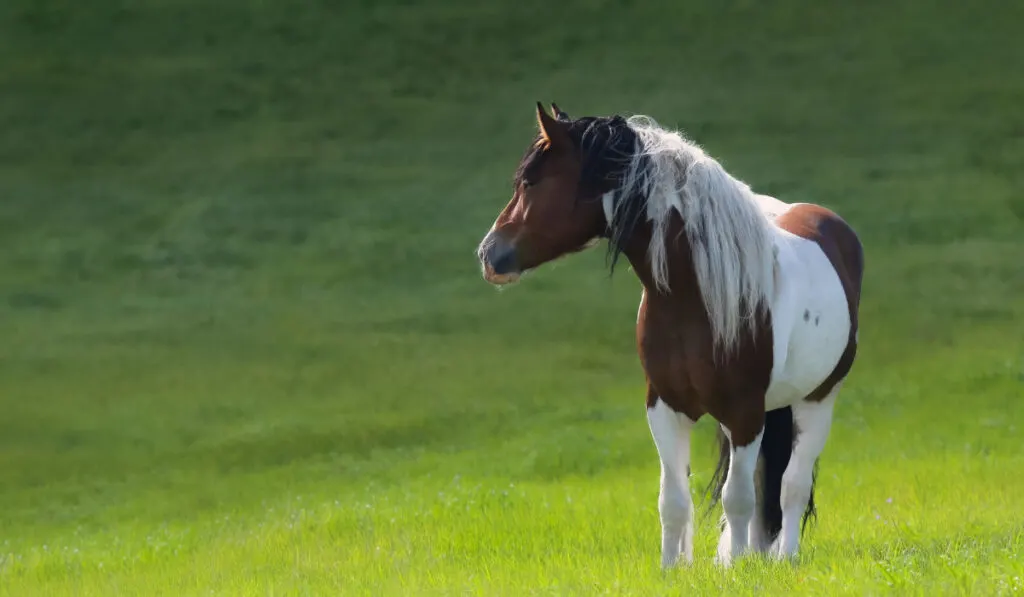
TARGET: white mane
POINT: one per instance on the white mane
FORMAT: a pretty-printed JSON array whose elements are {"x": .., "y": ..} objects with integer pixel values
[{"x": 730, "y": 239}]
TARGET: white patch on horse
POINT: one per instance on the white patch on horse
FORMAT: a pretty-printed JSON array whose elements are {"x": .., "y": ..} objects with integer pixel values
[
  {"x": 770, "y": 206},
  {"x": 804, "y": 353},
  {"x": 726, "y": 225},
  {"x": 671, "y": 432},
  {"x": 608, "y": 204}
]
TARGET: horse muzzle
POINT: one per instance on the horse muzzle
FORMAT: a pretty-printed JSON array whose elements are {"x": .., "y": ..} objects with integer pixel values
[{"x": 499, "y": 260}]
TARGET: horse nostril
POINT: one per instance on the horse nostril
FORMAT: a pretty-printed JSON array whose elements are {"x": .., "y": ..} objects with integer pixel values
[
  {"x": 505, "y": 264},
  {"x": 502, "y": 258}
]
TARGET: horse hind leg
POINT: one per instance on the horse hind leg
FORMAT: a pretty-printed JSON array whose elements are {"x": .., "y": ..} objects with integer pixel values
[
  {"x": 671, "y": 432},
  {"x": 812, "y": 422}
]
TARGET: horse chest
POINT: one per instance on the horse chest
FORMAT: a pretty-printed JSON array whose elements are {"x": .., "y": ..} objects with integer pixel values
[
  {"x": 674, "y": 345},
  {"x": 672, "y": 380}
]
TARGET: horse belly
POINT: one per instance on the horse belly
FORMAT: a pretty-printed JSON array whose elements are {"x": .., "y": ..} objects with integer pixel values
[{"x": 813, "y": 317}]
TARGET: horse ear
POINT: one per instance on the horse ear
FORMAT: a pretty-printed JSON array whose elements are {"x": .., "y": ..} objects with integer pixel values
[
  {"x": 559, "y": 114},
  {"x": 552, "y": 132}
]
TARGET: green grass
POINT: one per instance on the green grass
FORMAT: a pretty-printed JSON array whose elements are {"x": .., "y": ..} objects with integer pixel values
[{"x": 246, "y": 348}]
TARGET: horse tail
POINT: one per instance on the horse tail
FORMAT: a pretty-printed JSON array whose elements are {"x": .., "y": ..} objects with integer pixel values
[{"x": 776, "y": 448}]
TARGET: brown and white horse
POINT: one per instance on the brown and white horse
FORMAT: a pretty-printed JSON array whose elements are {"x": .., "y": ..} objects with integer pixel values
[{"x": 748, "y": 314}]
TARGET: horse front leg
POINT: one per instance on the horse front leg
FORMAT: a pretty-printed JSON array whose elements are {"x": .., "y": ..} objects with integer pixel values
[
  {"x": 671, "y": 432},
  {"x": 739, "y": 497}
]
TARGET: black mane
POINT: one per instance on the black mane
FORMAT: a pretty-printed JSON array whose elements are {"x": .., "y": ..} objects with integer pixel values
[{"x": 607, "y": 146}]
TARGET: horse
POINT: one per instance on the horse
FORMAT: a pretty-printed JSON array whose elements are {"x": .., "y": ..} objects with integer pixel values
[{"x": 748, "y": 313}]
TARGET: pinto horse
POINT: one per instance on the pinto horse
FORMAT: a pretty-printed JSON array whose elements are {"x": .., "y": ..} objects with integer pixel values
[{"x": 748, "y": 312}]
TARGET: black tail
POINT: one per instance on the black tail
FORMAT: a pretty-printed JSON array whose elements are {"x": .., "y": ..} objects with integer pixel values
[{"x": 776, "y": 447}]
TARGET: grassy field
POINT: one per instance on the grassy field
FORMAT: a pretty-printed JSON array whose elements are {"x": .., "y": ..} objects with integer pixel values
[{"x": 246, "y": 349}]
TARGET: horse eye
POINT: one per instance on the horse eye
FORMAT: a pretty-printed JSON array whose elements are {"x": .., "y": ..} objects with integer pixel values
[{"x": 527, "y": 184}]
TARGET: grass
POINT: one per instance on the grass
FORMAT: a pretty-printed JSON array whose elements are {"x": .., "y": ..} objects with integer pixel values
[{"x": 246, "y": 348}]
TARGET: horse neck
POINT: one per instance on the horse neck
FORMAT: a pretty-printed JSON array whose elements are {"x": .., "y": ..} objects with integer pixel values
[{"x": 682, "y": 278}]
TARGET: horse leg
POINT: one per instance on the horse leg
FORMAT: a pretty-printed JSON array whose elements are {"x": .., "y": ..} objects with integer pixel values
[
  {"x": 757, "y": 535},
  {"x": 812, "y": 421},
  {"x": 671, "y": 431},
  {"x": 739, "y": 497}
]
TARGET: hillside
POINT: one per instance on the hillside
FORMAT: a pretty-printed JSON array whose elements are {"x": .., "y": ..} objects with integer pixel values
[{"x": 246, "y": 347}]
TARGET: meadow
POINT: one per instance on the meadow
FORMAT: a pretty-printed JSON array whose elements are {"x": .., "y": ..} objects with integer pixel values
[{"x": 245, "y": 348}]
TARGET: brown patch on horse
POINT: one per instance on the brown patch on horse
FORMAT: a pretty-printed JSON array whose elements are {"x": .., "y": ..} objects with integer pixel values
[
  {"x": 675, "y": 340},
  {"x": 842, "y": 247}
]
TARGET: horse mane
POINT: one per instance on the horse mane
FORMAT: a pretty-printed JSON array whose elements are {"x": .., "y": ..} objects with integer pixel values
[{"x": 730, "y": 239}]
